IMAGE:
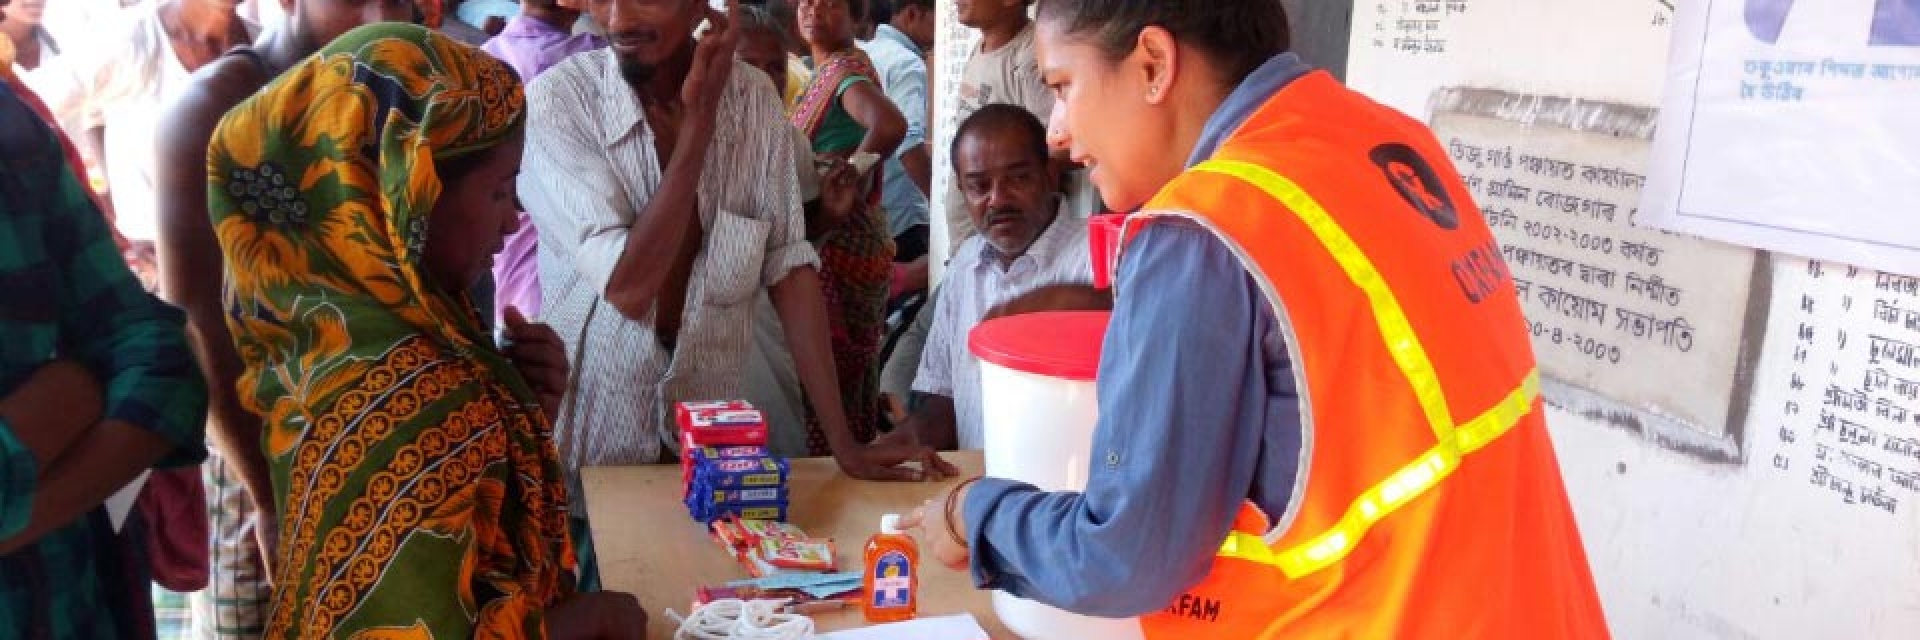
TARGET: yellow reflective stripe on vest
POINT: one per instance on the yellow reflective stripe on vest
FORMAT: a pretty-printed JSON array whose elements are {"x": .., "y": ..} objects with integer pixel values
[
  {"x": 1409, "y": 482},
  {"x": 1394, "y": 327},
  {"x": 1425, "y": 471}
]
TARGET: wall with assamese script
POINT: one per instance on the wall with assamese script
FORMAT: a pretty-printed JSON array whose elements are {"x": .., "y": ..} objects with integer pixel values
[{"x": 1739, "y": 430}]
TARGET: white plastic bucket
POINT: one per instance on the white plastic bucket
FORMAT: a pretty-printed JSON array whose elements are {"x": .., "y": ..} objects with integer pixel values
[{"x": 1039, "y": 410}]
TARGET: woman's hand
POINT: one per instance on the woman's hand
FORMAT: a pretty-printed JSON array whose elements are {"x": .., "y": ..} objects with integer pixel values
[
  {"x": 839, "y": 191},
  {"x": 885, "y": 458},
  {"x": 936, "y": 534},
  {"x": 541, "y": 358},
  {"x": 706, "y": 81}
]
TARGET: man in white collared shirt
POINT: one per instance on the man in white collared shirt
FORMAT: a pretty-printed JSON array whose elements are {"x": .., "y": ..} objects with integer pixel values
[
  {"x": 1000, "y": 161},
  {"x": 660, "y": 176}
]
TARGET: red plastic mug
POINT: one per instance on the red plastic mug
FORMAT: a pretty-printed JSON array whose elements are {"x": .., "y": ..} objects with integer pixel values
[{"x": 1103, "y": 246}]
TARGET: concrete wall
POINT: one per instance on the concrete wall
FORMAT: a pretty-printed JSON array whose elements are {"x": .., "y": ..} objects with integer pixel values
[
  {"x": 1683, "y": 548},
  {"x": 1809, "y": 525}
]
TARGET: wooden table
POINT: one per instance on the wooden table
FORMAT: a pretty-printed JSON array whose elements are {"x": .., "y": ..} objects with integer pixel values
[{"x": 649, "y": 547}]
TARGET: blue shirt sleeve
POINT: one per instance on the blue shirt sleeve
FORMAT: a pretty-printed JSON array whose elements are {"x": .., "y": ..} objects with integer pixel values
[
  {"x": 908, "y": 91},
  {"x": 1188, "y": 411}
]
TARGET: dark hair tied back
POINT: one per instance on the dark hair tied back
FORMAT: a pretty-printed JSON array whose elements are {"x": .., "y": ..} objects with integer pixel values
[{"x": 1238, "y": 35}]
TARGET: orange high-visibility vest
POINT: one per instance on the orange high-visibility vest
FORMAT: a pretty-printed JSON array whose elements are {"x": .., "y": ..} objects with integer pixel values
[{"x": 1430, "y": 503}]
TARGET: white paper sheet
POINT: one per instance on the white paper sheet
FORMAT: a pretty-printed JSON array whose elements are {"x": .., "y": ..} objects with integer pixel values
[
  {"x": 1788, "y": 125},
  {"x": 955, "y": 627},
  {"x": 121, "y": 502}
]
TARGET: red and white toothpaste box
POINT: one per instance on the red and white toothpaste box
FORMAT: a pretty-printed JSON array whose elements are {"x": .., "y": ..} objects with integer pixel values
[
  {"x": 715, "y": 424},
  {"x": 726, "y": 423},
  {"x": 711, "y": 405}
]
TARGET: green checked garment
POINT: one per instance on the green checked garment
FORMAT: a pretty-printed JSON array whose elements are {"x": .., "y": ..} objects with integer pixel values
[{"x": 66, "y": 292}]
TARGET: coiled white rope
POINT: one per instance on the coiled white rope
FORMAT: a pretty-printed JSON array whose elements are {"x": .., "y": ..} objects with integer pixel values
[{"x": 742, "y": 620}]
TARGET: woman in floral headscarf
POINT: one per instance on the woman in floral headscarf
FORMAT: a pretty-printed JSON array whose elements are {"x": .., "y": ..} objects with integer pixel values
[{"x": 356, "y": 198}]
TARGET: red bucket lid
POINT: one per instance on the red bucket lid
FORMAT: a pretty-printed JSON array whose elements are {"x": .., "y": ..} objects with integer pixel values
[{"x": 1059, "y": 344}]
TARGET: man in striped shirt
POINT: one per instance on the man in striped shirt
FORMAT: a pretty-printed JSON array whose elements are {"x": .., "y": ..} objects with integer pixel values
[{"x": 659, "y": 173}]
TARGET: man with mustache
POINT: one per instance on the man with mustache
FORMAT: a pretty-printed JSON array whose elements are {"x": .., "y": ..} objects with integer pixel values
[
  {"x": 1000, "y": 162},
  {"x": 660, "y": 174},
  {"x": 1001, "y": 70}
]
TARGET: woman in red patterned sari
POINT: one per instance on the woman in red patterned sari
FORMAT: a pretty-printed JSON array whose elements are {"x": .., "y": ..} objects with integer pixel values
[{"x": 844, "y": 112}]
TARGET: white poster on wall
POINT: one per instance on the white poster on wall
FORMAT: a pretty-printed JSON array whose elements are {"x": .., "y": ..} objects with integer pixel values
[
  {"x": 1789, "y": 125},
  {"x": 1582, "y": 99}
]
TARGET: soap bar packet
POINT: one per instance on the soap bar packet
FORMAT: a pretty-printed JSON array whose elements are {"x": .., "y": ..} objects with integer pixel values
[
  {"x": 739, "y": 496},
  {"x": 736, "y": 452},
  {"x": 720, "y": 424},
  {"x": 752, "y": 511},
  {"x": 769, "y": 471}
]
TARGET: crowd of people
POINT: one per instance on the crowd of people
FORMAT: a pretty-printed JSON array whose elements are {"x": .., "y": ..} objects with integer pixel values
[
  {"x": 346, "y": 302},
  {"x": 321, "y": 321}
]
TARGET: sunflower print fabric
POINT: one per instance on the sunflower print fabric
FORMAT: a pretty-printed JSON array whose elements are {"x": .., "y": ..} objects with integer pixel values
[{"x": 418, "y": 489}]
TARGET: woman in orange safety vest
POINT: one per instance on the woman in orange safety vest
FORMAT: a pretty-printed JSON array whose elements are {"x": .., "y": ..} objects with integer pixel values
[{"x": 1319, "y": 412}]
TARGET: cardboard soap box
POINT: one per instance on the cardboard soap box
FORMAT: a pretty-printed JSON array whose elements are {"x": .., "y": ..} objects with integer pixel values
[{"x": 715, "y": 424}]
